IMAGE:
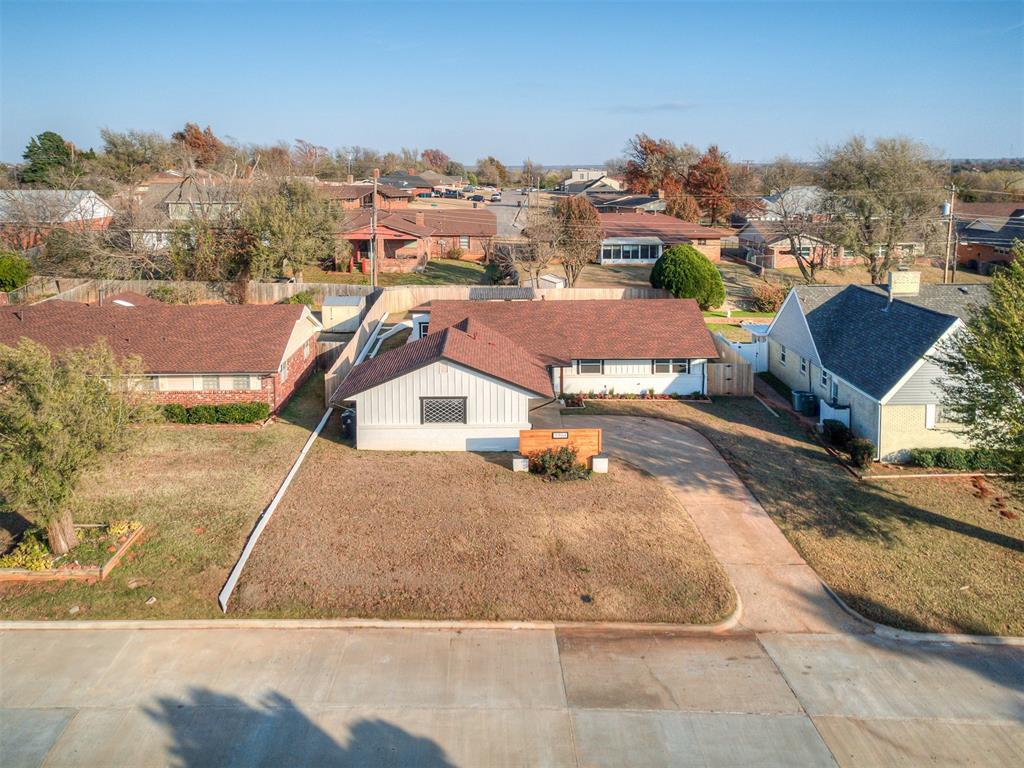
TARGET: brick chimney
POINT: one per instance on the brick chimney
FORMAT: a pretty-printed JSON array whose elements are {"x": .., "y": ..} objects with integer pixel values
[
  {"x": 351, "y": 179},
  {"x": 661, "y": 194}
]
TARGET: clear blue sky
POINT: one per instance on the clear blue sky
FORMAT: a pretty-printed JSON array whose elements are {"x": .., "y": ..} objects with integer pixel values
[{"x": 556, "y": 82}]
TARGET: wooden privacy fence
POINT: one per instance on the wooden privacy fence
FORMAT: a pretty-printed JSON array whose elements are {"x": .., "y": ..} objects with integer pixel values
[
  {"x": 732, "y": 374},
  {"x": 372, "y": 315},
  {"x": 587, "y": 442}
]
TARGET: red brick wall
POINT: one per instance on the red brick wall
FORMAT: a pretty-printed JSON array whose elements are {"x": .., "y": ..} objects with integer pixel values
[{"x": 300, "y": 365}]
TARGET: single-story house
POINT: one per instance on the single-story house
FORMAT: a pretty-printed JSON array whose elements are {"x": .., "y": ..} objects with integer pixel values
[
  {"x": 640, "y": 238},
  {"x": 28, "y": 215},
  {"x": 985, "y": 233},
  {"x": 802, "y": 203},
  {"x": 864, "y": 351},
  {"x": 767, "y": 244},
  {"x": 169, "y": 198},
  {"x": 191, "y": 355},
  {"x": 409, "y": 181},
  {"x": 473, "y": 370},
  {"x": 627, "y": 202},
  {"x": 407, "y": 239},
  {"x": 351, "y": 196}
]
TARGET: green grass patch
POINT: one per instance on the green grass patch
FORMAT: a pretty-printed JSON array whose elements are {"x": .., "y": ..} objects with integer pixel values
[{"x": 777, "y": 384}]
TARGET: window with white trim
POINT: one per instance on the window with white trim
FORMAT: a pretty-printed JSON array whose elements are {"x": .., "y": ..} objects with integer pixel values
[
  {"x": 666, "y": 365},
  {"x": 211, "y": 383},
  {"x": 423, "y": 325},
  {"x": 590, "y": 366},
  {"x": 803, "y": 365},
  {"x": 782, "y": 354},
  {"x": 442, "y": 410},
  {"x": 239, "y": 381},
  {"x": 824, "y": 377},
  {"x": 463, "y": 241}
]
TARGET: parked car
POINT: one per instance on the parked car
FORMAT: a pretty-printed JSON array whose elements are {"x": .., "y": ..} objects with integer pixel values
[
  {"x": 425, "y": 194},
  {"x": 452, "y": 193},
  {"x": 496, "y": 197},
  {"x": 477, "y": 198}
]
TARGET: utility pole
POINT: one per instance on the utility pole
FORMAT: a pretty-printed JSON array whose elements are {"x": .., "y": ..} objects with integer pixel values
[
  {"x": 949, "y": 237},
  {"x": 373, "y": 232}
]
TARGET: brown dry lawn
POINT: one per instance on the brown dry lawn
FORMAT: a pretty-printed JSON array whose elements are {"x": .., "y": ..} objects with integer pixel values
[
  {"x": 198, "y": 490},
  {"x": 460, "y": 536},
  {"x": 921, "y": 554}
]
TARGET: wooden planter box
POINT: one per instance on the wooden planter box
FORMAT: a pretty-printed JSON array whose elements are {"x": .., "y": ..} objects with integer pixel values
[{"x": 89, "y": 573}]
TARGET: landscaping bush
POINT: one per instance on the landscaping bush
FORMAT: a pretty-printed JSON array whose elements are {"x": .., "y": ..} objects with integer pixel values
[
  {"x": 959, "y": 459},
  {"x": 174, "y": 293},
  {"x": 302, "y": 297},
  {"x": 242, "y": 413},
  {"x": 836, "y": 433},
  {"x": 202, "y": 414},
  {"x": 686, "y": 273},
  {"x": 558, "y": 464},
  {"x": 31, "y": 553},
  {"x": 226, "y": 413},
  {"x": 767, "y": 297},
  {"x": 862, "y": 452},
  {"x": 14, "y": 271},
  {"x": 175, "y": 413},
  {"x": 455, "y": 253}
]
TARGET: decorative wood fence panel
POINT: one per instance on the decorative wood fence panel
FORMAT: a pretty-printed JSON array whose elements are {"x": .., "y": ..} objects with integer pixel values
[
  {"x": 731, "y": 379},
  {"x": 587, "y": 442}
]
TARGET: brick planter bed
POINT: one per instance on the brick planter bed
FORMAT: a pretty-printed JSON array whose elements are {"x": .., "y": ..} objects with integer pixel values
[{"x": 71, "y": 572}]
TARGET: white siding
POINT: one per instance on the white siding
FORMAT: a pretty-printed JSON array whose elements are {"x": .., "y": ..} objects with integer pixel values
[
  {"x": 632, "y": 376},
  {"x": 789, "y": 329},
  {"x": 388, "y": 416}
]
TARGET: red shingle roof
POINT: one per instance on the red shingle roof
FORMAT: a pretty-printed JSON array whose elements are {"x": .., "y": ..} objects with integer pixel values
[
  {"x": 468, "y": 343},
  {"x": 168, "y": 338},
  {"x": 560, "y": 331},
  {"x": 474, "y": 222},
  {"x": 668, "y": 228}
]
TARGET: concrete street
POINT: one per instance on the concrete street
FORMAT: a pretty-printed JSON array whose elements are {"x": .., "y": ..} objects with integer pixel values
[
  {"x": 541, "y": 697},
  {"x": 799, "y": 682}
]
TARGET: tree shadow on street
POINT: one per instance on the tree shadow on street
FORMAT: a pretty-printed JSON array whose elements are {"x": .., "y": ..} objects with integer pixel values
[{"x": 216, "y": 729}]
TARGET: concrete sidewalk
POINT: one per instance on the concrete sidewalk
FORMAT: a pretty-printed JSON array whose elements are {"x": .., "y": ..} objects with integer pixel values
[
  {"x": 779, "y": 591},
  {"x": 416, "y": 697}
]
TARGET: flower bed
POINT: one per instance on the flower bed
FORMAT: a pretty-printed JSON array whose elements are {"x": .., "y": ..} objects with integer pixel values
[
  {"x": 99, "y": 549},
  {"x": 578, "y": 400}
]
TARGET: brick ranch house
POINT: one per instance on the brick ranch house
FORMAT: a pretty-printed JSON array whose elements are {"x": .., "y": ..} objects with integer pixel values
[
  {"x": 27, "y": 216},
  {"x": 471, "y": 382},
  {"x": 640, "y": 238},
  {"x": 985, "y": 233},
  {"x": 407, "y": 239},
  {"x": 192, "y": 355},
  {"x": 767, "y": 244}
]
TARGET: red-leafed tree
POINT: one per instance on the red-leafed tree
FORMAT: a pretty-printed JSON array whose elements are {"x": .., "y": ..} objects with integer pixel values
[
  {"x": 653, "y": 164},
  {"x": 206, "y": 149},
  {"x": 682, "y": 206},
  {"x": 436, "y": 159},
  {"x": 708, "y": 182}
]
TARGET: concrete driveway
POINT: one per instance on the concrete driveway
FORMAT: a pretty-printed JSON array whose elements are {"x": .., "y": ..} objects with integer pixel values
[{"x": 778, "y": 590}]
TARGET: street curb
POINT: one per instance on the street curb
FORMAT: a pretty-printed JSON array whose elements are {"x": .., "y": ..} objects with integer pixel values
[
  {"x": 721, "y": 627},
  {"x": 907, "y": 636}
]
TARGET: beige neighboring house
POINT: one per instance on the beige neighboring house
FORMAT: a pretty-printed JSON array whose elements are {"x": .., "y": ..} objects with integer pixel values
[{"x": 865, "y": 351}]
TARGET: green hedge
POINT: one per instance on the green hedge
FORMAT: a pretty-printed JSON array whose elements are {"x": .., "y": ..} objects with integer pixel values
[
  {"x": 962, "y": 459},
  {"x": 226, "y": 413},
  {"x": 836, "y": 433},
  {"x": 862, "y": 452}
]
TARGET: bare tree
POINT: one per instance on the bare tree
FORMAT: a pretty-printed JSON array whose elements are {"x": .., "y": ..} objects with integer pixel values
[
  {"x": 539, "y": 250},
  {"x": 579, "y": 235},
  {"x": 795, "y": 210},
  {"x": 879, "y": 193}
]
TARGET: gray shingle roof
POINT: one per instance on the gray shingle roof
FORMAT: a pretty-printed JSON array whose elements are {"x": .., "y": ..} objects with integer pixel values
[{"x": 871, "y": 343}]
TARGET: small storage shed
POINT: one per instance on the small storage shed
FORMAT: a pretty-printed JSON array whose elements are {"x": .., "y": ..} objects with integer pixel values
[{"x": 341, "y": 313}]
